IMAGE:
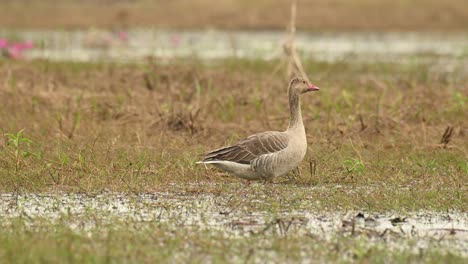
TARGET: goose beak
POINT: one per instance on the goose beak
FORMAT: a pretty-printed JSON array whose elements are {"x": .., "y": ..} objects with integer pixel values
[{"x": 312, "y": 88}]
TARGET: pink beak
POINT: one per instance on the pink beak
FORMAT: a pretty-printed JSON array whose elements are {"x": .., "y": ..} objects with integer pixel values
[{"x": 313, "y": 88}]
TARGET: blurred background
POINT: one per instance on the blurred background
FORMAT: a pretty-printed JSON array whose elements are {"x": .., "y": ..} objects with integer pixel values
[
  {"x": 108, "y": 99},
  {"x": 129, "y": 30}
]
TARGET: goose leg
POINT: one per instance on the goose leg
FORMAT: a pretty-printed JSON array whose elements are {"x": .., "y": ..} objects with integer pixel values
[
  {"x": 246, "y": 183},
  {"x": 268, "y": 180}
]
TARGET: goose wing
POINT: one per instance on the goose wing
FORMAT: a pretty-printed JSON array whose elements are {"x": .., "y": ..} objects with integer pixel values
[{"x": 250, "y": 148}]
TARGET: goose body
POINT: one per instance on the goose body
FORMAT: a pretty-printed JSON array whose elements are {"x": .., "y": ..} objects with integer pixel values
[{"x": 266, "y": 155}]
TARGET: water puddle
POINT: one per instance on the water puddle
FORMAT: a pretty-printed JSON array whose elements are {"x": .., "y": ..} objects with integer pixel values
[
  {"x": 136, "y": 44},
  {"x": 448, "y": 231}
]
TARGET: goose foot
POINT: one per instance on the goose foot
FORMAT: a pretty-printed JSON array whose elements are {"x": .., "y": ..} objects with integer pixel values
[{"x": 268, "y": 181}]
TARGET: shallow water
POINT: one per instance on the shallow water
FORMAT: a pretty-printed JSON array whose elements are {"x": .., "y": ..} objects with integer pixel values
[
  {"x": 447, "y": 231},
  {"x": 97, "y": 45}
]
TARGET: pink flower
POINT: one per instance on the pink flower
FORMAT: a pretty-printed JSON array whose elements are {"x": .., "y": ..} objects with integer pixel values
[
  {"x": 15, "y": 51},
  {"x": 123, "y": 36},
  {"x": 3, "y": 43},
  {"x": 27, "y": 45},
  {"x": 175, "y": 40}
]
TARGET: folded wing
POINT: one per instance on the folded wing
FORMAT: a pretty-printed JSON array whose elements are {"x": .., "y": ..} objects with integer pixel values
[{"x": 251, "y": 148}]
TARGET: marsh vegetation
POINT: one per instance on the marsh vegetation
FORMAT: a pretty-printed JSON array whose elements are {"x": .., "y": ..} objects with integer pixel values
[{"x": 384, "y": 139}]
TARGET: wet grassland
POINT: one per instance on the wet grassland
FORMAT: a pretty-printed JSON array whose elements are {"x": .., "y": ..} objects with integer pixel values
[{"x": 97, "y": 163}]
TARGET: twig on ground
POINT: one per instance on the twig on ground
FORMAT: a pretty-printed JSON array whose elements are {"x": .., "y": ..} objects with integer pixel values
[{"x": 447, "y": 136}]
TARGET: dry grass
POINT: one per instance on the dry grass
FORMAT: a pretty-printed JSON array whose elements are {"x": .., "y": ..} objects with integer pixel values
[
  {"x": 319, "y": 15},
  {"x": 140, "y": 128}
]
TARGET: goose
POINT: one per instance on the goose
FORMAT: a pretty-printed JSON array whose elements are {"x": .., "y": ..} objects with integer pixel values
[{"x": 270, "y": 154}]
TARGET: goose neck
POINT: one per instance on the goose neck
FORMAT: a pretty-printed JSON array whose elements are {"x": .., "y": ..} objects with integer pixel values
[{"x": 295, "y": 119}]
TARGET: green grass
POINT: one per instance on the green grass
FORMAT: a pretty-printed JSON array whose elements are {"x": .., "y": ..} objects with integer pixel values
[{"x": 155, "y": 242}]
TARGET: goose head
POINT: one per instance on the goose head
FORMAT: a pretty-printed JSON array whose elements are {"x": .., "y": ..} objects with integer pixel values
[{"x": 300, "y": 86}]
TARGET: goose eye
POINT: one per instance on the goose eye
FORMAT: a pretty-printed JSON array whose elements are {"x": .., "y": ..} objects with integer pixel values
[{"x": 303, "y": 81}]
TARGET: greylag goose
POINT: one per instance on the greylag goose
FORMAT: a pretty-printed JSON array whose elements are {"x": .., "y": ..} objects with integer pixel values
[{"x": 266, "y": 155}]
